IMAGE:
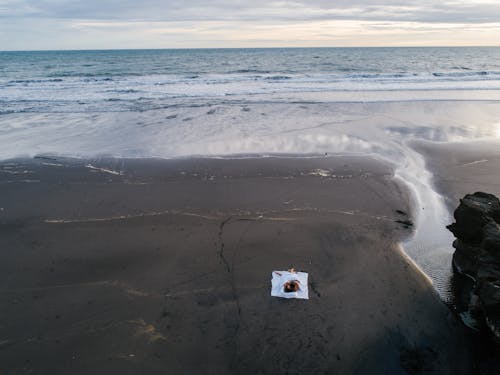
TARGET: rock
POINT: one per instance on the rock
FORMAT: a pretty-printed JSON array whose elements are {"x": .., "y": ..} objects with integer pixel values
[
  {"x": 474, "y": 212},
  {"x": 477, "y": 255}
]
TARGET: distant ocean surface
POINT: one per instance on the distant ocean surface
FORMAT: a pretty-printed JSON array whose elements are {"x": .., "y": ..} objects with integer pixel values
[{"x": 141, "y": 80}]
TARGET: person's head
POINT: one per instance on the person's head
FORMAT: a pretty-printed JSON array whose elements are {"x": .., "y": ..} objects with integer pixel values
[{"x": 291, "y": 286}]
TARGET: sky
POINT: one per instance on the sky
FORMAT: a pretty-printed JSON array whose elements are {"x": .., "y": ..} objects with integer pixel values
[{"x": 110, "y": 24}]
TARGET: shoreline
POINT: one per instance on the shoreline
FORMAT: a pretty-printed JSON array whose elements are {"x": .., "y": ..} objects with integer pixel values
[
  {"x": 460, "y": 169},
  {"x": 170, "y": 260}
]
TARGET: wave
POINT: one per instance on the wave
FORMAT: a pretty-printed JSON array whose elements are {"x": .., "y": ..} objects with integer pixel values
[
  {"x": 98, "y": 74},
  {"x": 23, "y": 81},
  {"x": 152, "y": 91},
  {"x": 161, "y": 79},
  {"x": 123, "y": 91},
  {"x": 277, "y": 78},
  {"x": 468, "y": 74},
  {"x": 255, "y": 71}
]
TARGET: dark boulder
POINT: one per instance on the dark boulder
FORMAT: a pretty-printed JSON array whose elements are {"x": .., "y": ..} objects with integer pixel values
[
  {"x": 477, "y": 255},
  {"x": 473, "y": 214}
]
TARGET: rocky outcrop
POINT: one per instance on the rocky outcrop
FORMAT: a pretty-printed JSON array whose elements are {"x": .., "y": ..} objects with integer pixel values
[{"x": 477, "y": 255}]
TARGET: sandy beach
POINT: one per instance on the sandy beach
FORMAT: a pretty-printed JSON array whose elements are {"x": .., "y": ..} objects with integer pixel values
[{"x": 126, "y": 266}]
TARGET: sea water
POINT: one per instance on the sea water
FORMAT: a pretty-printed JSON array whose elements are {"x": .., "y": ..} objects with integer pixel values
[
  {"x": 220, "y": 102},
  {"x": 141, "y": 80}
]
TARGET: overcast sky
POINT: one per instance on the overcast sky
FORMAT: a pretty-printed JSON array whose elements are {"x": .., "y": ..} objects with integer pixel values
[{"x": 97, "y": 24}]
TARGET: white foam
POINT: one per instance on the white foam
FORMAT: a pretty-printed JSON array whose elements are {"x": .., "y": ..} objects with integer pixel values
[{"x": 430, "y": 246}]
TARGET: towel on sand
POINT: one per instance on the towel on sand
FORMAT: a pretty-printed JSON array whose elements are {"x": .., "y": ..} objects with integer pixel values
[{"x": 281, "y": 277}]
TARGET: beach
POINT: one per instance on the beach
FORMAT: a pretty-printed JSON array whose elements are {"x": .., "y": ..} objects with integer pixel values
[
  {"x": 146, "y": 197},
  {"x": 132, "y": 265}
]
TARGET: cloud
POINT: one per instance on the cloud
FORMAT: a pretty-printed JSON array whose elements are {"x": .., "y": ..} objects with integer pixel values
[
  {"x": 196, "y": 10},
  {"x": 174, "y": 23}
]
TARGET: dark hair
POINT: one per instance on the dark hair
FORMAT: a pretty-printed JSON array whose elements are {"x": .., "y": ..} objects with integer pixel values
[{"x": 291, "y": 286}]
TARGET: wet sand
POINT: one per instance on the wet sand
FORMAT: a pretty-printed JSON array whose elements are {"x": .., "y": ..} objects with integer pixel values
[
  {"x": 459, "y": 169},
  {"x": 462, "y": 168},
  {"x": 118, "y": 266}
]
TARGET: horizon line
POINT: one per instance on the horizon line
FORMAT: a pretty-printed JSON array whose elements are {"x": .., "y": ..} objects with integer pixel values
[{"x": 238, "y": 48}]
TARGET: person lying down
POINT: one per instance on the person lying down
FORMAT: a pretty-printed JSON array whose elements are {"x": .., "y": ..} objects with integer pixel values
[{"x": 289, "y": 284}]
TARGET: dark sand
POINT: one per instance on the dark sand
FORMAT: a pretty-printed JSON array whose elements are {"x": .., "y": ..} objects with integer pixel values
[{"x": 166, "y": 266}]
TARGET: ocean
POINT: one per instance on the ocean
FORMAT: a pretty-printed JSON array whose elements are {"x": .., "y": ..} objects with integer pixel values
[
  {"x": 141, "y": 80},
  {"x": 248, "y": 102}
]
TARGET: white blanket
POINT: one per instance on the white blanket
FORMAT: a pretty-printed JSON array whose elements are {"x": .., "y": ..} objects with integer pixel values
[{"x": 281, "y": 277}]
